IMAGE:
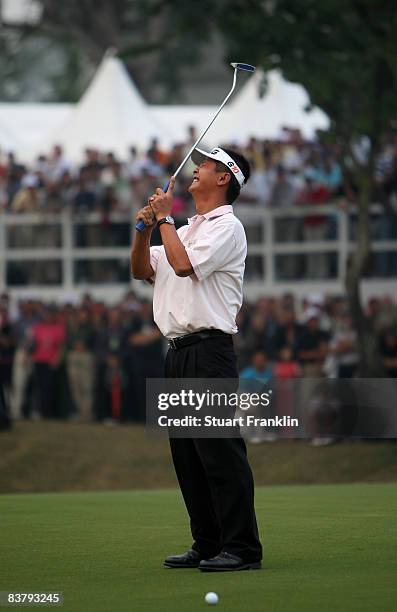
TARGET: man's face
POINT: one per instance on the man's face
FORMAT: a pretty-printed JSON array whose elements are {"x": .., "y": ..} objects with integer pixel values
[
  {"x": 259, "y": 361},
  {"x": 206, "y": 178}
]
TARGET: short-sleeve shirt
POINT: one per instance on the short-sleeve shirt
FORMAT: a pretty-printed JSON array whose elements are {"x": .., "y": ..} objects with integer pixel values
[{"x": 211, "y": 297}]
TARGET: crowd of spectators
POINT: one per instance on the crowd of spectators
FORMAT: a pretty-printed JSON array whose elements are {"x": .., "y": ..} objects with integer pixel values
[
  {"x": 285, "y": 172},
  {"x": 88, "y": 361}
]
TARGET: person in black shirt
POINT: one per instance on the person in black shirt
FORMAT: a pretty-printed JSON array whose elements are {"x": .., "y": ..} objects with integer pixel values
[
  {"x": 312, "y": 345},
  {"x": 288, "y": 332},
  {"x": 311, "y": 350}
]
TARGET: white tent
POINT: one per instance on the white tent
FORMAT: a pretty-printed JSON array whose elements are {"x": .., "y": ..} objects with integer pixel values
[
  {"x": 283, "y": 105},
  {"x": 179, "y": 118},
  {"x": 111, "y": 116},
  {"x": 23, "y": 125}
]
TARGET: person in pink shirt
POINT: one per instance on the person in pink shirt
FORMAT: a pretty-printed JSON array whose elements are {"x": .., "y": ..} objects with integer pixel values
[
  {"x": 286, "y": 367},
  {"x": 48, "y": 337},
  {"x": 286, "y": 372}
]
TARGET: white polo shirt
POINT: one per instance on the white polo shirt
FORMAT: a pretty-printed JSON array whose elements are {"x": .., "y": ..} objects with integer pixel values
[{"x": 211, "y": 297}]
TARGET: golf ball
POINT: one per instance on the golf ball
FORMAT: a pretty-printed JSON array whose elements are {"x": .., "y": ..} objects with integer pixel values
[{"x": 211, "y": 599}]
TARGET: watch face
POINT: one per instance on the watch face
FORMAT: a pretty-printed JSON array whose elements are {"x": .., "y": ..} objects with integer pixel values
[{"x": 169, "y": 219}]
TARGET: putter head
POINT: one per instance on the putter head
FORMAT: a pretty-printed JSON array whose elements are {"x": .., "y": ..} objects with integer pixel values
[{"x": 241, "y": 66}]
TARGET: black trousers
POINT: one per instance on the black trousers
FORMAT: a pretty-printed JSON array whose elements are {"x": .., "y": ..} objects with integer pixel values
[
  {"x": 213, "y": 473},
  {"x": 45, "y": 383}
]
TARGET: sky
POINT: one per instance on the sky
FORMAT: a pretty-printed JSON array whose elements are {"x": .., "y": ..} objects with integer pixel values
[{"x": 20, "y": 10}]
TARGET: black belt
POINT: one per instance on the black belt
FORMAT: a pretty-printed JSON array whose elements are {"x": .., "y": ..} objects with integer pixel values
[{"x": 182, "y": 341}]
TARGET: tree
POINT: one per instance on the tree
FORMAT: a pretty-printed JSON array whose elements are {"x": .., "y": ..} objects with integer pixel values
[
  {"x": 148, "y": 34},
  {"x": 344, "y": 52}
]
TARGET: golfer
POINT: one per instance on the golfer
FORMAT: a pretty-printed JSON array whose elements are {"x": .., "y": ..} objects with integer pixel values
[{"x": 198, "y": 280}]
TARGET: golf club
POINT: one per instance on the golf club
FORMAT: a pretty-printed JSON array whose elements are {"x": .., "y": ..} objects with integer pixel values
[{"x": 237, "y": 66}]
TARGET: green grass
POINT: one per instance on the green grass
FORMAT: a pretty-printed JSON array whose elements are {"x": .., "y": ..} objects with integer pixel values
[{"x": 326, "y": 548}]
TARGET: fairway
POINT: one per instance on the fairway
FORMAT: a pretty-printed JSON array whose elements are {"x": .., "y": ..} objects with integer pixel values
[{"x": 328, "y": 547}]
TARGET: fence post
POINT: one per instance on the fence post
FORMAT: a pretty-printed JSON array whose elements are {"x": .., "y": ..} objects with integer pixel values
[
  {"x": 268, "y": 220},
  {"x": 67, "y": 250}
]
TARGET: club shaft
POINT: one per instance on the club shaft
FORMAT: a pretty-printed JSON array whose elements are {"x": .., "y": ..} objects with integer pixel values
[
  {"x": 141, "y": 226},
  {"x": 203, "y": 133}
]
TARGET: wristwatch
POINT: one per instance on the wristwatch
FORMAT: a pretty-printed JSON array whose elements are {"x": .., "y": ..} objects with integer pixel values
[{"x": 167, "y": 219}]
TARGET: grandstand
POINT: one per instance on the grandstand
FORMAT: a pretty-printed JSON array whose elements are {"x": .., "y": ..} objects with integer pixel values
[{"x": 50, "y": 257}]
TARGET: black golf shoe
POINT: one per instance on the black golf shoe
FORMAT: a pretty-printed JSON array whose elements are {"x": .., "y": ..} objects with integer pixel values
[
  {"x": 191, "y": 558},
  {"x": 226, "y": 562}
]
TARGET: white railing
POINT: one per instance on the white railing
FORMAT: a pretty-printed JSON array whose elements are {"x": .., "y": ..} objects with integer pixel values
[{"x": 47, "y": 243}]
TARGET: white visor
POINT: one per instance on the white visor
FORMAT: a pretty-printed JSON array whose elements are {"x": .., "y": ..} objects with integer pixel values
[{"x": 220, "y": 155}]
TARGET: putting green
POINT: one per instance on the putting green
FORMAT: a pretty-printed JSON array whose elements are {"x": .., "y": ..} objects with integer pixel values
[{"x": 329, "y": 547}]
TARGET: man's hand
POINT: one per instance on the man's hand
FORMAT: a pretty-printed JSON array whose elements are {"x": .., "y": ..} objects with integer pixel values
[
  {"x": 147, "y": 216},
  {"x": 161, "y": 202}
]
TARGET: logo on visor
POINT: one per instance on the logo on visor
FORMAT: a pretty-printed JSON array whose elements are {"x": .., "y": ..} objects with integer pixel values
[
  {"x": 233, "y": 167},
  {"x": 214, "y": 151}
]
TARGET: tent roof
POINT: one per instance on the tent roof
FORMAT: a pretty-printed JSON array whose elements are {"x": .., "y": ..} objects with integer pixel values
[
  {"x": 111, "y": 115},
  {"x": 283, "y": 105},
  {"x": 180, "y": 117},
  {"x": 22, "y": 125}
]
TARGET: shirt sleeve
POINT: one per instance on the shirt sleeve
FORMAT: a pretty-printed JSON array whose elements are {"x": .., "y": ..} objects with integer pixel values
[
  {"x": 155, "y": 252},
  {"x": 213, "y": 250}
]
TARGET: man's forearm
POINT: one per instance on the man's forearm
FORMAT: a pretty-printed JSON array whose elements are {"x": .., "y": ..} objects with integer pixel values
[
  {"x": 140, "y": 256},
  {"x": 175, "y": 251}
]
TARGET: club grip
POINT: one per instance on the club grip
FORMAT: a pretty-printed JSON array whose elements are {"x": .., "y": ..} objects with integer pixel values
[{"x": 141, "y": 225}]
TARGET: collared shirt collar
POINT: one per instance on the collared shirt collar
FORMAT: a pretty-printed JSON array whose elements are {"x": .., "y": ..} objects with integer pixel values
[{"x": 216, "y": 212}]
